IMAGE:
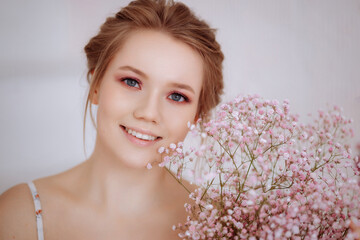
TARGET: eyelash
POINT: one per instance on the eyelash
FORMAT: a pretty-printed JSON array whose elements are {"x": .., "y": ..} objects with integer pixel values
[
  {"x": 132, "y": 79},
  {"x": 186, "y": 99},
  {"x": 124, "y": 80}
]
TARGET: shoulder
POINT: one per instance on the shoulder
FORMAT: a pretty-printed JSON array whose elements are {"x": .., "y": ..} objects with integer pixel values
[{"x": 17, "y": 214}]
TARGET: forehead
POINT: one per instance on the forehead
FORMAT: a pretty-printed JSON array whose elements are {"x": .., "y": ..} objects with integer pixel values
[{"x": 161, "y": 57}]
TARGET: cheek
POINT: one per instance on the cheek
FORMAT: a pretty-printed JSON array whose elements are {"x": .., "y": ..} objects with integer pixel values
[
  {"x": 177, "y": 123},
  {"x": 113, "y": 102},
  {"x": 181, "y": 134}
]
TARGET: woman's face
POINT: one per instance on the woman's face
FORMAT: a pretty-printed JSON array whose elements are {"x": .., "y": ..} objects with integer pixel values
[{"x": 147, "y": 96}]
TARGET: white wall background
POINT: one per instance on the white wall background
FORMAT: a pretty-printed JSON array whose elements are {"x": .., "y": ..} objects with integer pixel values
[{"x": 305, "y": 51}]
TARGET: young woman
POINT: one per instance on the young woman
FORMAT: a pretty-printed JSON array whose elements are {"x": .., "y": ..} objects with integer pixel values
[{"x": 152, "y": 68}]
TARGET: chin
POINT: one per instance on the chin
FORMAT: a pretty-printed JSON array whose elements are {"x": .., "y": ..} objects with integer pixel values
[{"x": 139, "y": 163}]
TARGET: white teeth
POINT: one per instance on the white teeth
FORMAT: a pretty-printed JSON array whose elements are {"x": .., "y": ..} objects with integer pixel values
[{"x": 141, "y": 136}]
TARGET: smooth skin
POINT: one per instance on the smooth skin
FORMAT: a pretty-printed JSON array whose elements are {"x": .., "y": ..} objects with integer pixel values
[{"x": 152, "y": 85}]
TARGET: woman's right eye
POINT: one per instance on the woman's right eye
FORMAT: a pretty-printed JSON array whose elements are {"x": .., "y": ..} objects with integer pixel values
[{"x": 131, "y": 82}]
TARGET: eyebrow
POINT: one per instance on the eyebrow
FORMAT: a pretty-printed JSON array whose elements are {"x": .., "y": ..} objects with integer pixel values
[
  {"x": 137, "y": 71},
  {"x": 174, "y": 84},
  {"x": 183, "y": 86}
]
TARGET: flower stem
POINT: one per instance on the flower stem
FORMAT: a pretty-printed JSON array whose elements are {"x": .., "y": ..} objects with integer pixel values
[{"x": 178, "y": 180}]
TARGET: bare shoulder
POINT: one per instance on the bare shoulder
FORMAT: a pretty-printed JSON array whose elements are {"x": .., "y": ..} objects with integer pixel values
[{"x": 17, "y": 214}]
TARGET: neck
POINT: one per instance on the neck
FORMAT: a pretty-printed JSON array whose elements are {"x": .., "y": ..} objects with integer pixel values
[{"x": 112, "y": 185}]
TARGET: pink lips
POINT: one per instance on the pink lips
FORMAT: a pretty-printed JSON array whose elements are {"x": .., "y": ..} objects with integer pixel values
[{"x": 137, "y": 141}]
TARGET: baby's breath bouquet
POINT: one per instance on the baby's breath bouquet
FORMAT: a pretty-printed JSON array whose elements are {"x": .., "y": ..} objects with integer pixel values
[{"x": 263, "y": 175}]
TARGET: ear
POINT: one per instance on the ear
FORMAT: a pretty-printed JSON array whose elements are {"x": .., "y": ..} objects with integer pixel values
[
  {"x": 196, "y": 118},
  {"x": 95, "y": 97}
]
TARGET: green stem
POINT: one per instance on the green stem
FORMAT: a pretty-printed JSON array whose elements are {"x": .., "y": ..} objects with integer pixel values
[{"x": 178, "y": 180}]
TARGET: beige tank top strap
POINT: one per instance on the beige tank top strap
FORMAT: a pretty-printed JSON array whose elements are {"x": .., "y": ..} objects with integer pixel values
[{"x": 38, "y": 211}]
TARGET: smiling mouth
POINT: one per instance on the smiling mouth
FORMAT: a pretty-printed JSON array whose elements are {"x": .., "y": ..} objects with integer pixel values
[{"x": 139, "y": 135}]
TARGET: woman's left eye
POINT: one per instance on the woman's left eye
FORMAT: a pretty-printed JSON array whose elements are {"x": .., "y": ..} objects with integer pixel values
[
  {"x": 131, "y": 82},
  {"x": 178, "y": 97}
]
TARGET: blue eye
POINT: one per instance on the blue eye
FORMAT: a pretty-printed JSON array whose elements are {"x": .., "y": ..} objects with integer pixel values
[
  {"x": 131, "y": 82},
  {"x": 178, "y": 97}
]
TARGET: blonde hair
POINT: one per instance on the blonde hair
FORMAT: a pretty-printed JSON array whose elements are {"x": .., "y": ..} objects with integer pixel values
[{"x": 173, "y": 18}]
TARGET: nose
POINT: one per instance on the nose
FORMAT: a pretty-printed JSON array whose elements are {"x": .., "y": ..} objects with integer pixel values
[{"x": 148, "y": 109}]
